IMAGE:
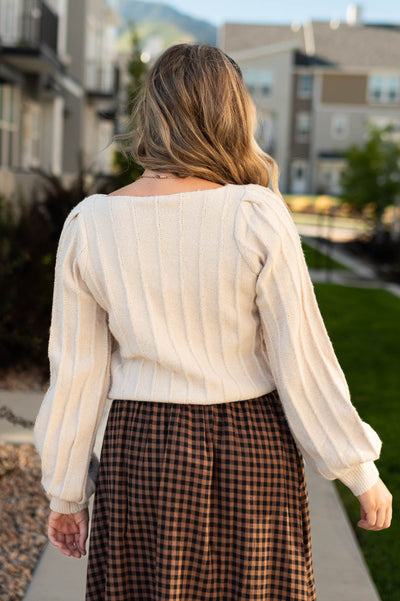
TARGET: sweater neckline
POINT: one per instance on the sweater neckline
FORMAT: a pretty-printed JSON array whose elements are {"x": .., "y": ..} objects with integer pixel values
[{"x": 174, "y": 194}]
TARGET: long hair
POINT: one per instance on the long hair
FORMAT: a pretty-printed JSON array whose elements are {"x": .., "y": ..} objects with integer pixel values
[{"x": 195, "y": 117}]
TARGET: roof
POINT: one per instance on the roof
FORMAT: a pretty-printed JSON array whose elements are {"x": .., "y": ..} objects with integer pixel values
[
  {"x": 339, "y": 44},
  {"x": 363, "y": 46},
  {"x": 237, "y": 36}
]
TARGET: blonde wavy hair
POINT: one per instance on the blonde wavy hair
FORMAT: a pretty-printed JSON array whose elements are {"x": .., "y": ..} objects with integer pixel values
[{"x": 195, "y": 117}]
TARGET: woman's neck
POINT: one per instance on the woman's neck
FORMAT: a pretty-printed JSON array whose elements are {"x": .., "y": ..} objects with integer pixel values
[{"x": 153, "y": 183}]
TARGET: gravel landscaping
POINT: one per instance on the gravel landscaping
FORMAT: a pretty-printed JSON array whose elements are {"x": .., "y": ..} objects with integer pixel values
[{"x": 23, "y": 511}]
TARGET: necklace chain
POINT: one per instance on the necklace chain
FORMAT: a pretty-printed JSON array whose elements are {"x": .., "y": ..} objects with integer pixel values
[{"x": 158, "y": 176}]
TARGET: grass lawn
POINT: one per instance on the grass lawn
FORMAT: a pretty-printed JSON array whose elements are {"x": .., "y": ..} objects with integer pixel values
[
  {"x": 317, "y": 260},
  {"x": 364, "y": 325}
]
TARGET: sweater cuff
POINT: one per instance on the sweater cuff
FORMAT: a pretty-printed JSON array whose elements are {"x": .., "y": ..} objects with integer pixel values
[
  {"x": 361, "y": 478},
  {"x": 66, "y": 507}
]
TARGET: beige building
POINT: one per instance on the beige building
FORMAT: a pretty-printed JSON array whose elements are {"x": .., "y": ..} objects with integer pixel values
[
  {"x": 316, "y": 87},
  {"x": 58, "y": 88}
]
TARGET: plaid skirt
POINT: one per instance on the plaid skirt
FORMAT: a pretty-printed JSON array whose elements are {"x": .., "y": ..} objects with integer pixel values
[{"x": 200, "y": 503}]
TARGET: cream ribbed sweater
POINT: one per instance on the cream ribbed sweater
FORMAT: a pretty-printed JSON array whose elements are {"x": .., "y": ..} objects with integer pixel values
[{"x": 200, "y": 297}]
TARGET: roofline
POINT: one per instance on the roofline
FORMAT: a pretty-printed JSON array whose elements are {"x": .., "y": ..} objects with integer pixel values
[
  {"x": 265, "y": 50},
  {"x": 288, "y": 25},
  {"x": 348, "y": 69}
]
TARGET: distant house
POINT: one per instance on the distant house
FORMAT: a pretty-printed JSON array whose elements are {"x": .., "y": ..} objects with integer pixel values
[
  {"x": 58, "y": 88},
  {"x": 315, "y": 87}
]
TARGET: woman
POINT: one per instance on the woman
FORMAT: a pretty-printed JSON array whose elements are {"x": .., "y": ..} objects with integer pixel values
[{"x": 184, "y": 298}]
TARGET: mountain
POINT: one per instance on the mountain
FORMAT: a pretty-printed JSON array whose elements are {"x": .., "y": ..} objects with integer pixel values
[{"x": 159, "y": 25}]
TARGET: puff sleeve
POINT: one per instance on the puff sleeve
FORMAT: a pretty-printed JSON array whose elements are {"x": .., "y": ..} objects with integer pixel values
[
  {"x": 310, "y": 382},
  {"x": 79, "y": 354}
]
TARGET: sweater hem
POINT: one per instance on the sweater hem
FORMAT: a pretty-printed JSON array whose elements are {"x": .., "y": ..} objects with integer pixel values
[
  {"x": 114, "y": 396},
  {"x": 67, "y": 507},
  {"x": 361, "y": 478}
]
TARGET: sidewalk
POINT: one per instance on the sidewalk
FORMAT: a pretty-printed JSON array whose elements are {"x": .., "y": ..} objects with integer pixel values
[{"x": 360, "y": 275}]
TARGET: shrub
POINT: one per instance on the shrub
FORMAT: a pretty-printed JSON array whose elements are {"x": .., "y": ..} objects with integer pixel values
[{"x": 28, "y": 246}]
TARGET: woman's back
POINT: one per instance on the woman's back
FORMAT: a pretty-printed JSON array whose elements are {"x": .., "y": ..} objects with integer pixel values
[{"x": 170, "y": 272}]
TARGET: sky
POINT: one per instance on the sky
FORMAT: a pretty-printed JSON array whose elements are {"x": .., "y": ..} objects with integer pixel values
[{"x": 285, "y": 11}]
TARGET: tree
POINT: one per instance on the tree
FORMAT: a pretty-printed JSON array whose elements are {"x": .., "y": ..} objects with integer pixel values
[
  {"x": 137, "y": 69},
  {"x": 126, "y": 168},
  {"x": 372, "y": 174}
]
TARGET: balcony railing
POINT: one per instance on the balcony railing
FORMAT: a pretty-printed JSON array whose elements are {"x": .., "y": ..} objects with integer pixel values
[
  {"x": 100, "y": 79},
  {"x": 35, "y": 24}
]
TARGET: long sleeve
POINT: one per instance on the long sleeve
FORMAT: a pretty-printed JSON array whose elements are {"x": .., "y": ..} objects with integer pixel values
[
  {"x": 312, "y": 387},
  {"x": 79, "y": 354}
]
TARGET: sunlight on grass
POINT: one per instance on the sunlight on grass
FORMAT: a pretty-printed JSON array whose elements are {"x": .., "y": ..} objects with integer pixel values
[{"x": 364, "y": 325}]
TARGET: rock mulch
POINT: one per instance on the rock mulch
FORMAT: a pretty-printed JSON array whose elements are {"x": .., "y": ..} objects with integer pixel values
[
  {"x": 23, "y": 518},
  {"x": 31, "y": 380}
]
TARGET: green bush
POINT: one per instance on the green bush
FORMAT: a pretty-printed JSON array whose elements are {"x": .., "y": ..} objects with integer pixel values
[
  {"x": 28, "y": 245},
  {"x": 25, "y": 279}
]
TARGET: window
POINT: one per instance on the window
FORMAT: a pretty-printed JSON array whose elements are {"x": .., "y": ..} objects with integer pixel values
[
  {"x": 329, "y": 176},
  {"x": 303, "y": 127},
  {"x": 383, "y": 121},
  {"x": 8, "y": 125},
  {"x": 35, "y": 140},
  {"x": 258, "y": 81},
  {"x": 305, "y": 86},
  {"x": 31, "y": 135},
  {"x": 265, "y": 132},
  {"x": 10, "y": 21},
  {"x": 299, "y": 176},
  {"x": 339, "y": 126},
  {"x": 384, "y": 89}
]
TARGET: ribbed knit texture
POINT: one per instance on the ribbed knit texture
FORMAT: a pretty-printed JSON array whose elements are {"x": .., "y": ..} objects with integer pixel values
[{"x": 201, "y": 297}]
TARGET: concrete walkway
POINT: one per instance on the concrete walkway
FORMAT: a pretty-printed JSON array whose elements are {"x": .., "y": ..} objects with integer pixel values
[
  {"x": 340, "y": 571},
  {"x": 360, "y": 274}
]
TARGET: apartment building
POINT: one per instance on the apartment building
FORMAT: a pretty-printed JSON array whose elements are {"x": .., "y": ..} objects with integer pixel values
[
  {"x": 58, "y": 89},
  {"x": 316, "y": 87}
]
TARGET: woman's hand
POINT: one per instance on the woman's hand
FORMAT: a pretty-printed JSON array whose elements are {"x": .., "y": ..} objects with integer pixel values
[
  {"x": 376, "y": 507},
  {"x": 68, "y": 532}
]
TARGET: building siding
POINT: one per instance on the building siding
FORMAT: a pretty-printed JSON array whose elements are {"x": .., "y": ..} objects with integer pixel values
[
  {"x": 52, "y": 133},
  {"x": 277, "y": 105},
  {"x": 342, "y": 60},
  {"x": 344, "y": 89},
  {"x": 300, "y": 105}
]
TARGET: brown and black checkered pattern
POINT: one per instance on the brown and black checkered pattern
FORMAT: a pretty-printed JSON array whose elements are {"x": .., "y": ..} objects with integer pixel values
[{"x": 200, "y": 503}]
